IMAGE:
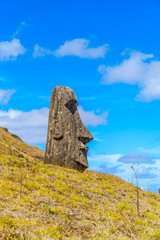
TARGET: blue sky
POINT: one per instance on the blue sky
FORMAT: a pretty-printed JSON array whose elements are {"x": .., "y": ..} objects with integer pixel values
[{"x": 108, "y": 53}]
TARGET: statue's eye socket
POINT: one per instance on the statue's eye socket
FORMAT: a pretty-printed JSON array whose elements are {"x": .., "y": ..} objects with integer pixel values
[{"x": 72, "y": 106}]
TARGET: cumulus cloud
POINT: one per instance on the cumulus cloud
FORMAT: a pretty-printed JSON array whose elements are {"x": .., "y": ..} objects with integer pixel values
[
  {"x": 11, "y": 50},
  {"x": 107, "y": 158},
  {"x": 77, "y": 47},
  {"x": 32, "y": 126},
  {"x": 144, "y": 172},
  {"x": 40, "y": 52},
  {"x": 140, "y": 69},
  {"x": 137, "y": 158},
  {"x": 5, "y": 95},
  {"x": 111, "y": 170},
  {"x": 147, "y": 168},
  {"x": 106, "y": 163},
  {"x": 92, "y": 119}
]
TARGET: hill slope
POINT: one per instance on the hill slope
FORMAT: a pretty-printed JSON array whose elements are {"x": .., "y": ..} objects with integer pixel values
[
  {"x": 13, "y": 145},
  {"x": 51, "y": 202}
]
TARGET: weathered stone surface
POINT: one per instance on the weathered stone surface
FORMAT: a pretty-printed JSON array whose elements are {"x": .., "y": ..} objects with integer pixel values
[{"x": 67, "y": 135}]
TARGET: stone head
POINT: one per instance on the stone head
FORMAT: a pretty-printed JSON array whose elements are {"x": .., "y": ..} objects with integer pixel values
[{"x": 67, "y": 135}]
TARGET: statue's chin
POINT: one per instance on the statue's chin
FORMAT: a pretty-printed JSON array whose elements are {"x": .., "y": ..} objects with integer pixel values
[{"x": 82, "y": 158}]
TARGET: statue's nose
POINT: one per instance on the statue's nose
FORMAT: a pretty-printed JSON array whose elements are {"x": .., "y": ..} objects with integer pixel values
[
  {"x": 85, "y": 139},
  {"x": 82, "y": 132}
]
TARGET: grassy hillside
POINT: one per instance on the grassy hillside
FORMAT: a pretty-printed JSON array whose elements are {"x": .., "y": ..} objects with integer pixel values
[
  {"x": 40, "y": 201},
  {"x": 10, "y": 144}
]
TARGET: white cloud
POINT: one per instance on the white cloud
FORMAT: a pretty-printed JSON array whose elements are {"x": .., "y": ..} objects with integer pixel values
[
  {"x": 97, "y": 139},
  {"x": 105, "y": 162},
  {"x": 32, "y": 126},
  {"x": 77, "y": 47},
  {"x": 40, "y": 52},
  {"x": 11, "y": 50},
  {"x": 92, "y": 119},
  {"x": 137, "y": 158},
  {"x": 147, "y": 173},
  {"x": 140, "y": 69},
  {"x": 109, "y": 163},
  {"x": 111, "y": 170},
  {"x": 105, "y": 158},
  {"x": 155, "y": 150},
  {"x": 19, "y": 29},
  {"x": 5, "y": 95}
]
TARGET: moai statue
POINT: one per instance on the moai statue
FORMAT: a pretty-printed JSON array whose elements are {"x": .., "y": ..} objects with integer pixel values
[{"x": 67, "y": 135}]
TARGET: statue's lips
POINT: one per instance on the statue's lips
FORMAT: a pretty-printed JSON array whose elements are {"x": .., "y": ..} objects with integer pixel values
[{"x": 85, "y": 149}]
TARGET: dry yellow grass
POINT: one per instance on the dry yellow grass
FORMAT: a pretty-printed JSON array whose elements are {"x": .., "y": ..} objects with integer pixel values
[{"x": 51, "y": 202}]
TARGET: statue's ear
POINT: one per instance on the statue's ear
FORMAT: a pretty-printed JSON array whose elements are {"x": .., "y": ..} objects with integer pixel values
[{"x": 56, "y": 125}]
